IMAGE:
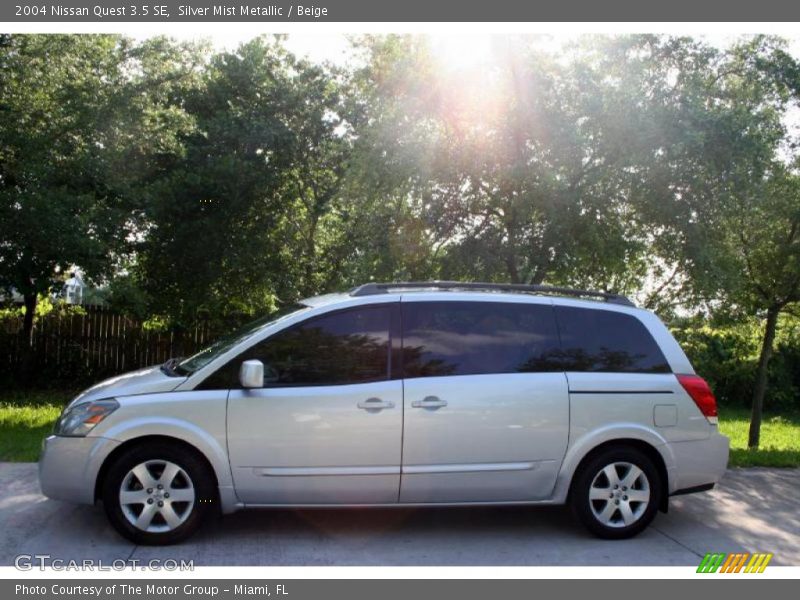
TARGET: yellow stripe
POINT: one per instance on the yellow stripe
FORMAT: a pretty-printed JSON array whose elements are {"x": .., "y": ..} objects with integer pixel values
[
  {"x": 761, "y": 558},
  {"x": 753, "y": 564},
  {"x": 766, "y": 562}
]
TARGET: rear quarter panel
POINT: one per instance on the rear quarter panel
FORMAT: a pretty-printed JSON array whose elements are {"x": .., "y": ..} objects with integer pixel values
[{"x": 652, "y": 408}]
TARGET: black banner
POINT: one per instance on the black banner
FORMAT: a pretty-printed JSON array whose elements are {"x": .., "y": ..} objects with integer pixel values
[
  {"x": 278, "y": 11},
  {"x": 713, "y": 586}
]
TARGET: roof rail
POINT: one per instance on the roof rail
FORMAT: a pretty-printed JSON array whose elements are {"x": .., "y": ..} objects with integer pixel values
[{"x": 371, "y": 289}]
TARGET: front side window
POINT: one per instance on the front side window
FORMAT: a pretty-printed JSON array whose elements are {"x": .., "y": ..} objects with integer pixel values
[
  {"x": 607, "y": 341},
  {"x": 469, "y": 338},
  {"x": 187, "y": 366},
  {"x": 348, "y": 346}
]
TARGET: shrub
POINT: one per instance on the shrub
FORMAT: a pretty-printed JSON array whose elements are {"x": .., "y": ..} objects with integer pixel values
[{"x": 727, "y": 356}]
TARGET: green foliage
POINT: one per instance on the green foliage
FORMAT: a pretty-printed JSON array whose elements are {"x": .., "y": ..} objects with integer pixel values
[
  {"x": 84, "y": 119},
  {"x": 126, "y": 296},
  {"x": 242, "y": 220},
  {"x": 45, "y": 305},
  {"x": 244, "y": 179},
  {"x": 498, "y": 163},
  {"x": 216, "y": 186},
  {"x": 727, "y": 356}
]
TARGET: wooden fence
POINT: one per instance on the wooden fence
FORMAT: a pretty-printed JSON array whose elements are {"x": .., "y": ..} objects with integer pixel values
[{"x": 78, "y": 347}]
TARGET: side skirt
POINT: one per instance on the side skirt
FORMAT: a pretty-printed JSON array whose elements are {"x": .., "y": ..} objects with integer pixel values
[{"x": 404, "y": 504}]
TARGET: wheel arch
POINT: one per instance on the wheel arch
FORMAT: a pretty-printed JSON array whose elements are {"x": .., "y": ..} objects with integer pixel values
[
  {"x": 150, "y": 439},
  {"x": 643, "y": 446}
]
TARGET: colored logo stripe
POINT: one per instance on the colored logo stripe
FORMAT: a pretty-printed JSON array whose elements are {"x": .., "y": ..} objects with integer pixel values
[
  {"x": 758, "y": 563},
  {"x": 710, "y": 563},
  {"x": 734, "y": 563}
]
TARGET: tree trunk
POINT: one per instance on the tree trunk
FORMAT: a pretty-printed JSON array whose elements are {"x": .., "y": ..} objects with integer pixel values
[
  {"x": 511, "y": 266},
  {"x": 761, "y": 376}
]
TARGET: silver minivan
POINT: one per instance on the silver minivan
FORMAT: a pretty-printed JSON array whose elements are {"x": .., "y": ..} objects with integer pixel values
[{"x": 402, "y": 394}]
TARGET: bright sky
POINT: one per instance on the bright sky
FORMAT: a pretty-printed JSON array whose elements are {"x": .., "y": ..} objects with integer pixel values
[
  {"x": 336, "y": 48},
  {"x": 459, "y": 49},
  {"x": 316, "y": 47},
  {"x": 332, "y": 47}
]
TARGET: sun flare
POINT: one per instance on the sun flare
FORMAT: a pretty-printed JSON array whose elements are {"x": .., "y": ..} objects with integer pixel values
[{"x": 463, "y": 52}]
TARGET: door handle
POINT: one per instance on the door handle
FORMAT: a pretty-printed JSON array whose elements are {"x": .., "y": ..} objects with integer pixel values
[
  {"x": 429, "y": 402},
  {"x": 375, "y": 404}
]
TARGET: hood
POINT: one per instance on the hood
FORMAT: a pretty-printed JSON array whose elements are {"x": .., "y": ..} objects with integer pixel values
[{"x": 149, "y": 380}]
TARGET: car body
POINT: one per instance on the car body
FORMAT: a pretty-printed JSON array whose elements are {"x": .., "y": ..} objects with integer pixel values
[{"x": 402, "y": 395}]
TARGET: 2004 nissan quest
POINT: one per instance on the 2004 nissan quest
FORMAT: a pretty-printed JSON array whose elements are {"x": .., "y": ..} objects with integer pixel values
[{"x": 402, "y": 394}]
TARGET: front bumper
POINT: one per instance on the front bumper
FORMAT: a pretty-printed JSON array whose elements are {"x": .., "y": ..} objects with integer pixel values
[{"x": 69, "y": 466}]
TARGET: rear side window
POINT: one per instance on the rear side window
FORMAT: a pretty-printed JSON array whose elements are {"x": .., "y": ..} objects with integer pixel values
[
  {"x": 469, "y": 338},
  {"x": 349, "y": 346},
  {"x": 607, "y": 341}
]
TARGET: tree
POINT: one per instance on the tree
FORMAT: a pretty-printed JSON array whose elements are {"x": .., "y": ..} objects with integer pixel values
[
  {"x": 583, "y": 171},
  {"x": 319, "y": 149},
  {"x": 759, "y": 240},
  {"x": 736, "y": 213},
  {"x": 238, "y": 223},
  {"x": 641, "y": 159},
  {"x": 82, "y": 120}
]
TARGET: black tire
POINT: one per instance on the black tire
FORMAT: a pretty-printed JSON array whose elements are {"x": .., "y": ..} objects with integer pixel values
[
  {"x": 200, "y": 479},
  {"x": 585, "y": 509}
]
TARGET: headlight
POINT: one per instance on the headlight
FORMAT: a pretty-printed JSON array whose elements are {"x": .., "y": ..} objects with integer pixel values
[{"x": 80, "y": 419}]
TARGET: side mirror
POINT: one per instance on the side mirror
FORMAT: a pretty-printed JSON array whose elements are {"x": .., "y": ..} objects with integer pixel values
[{"x": 251, "y": 374}]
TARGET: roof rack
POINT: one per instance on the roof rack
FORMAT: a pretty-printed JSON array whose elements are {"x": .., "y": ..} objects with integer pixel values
[{"x": 371, "y": 289}]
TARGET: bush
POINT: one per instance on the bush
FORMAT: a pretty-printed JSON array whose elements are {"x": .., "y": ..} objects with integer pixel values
[{"x": 727, "y": 356}]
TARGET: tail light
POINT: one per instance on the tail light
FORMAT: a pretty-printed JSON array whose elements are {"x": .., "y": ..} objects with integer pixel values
[{"x": 702, "y": 395}]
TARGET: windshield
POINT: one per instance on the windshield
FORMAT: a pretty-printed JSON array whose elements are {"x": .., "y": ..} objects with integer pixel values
[{"x": 197, "y": 361}]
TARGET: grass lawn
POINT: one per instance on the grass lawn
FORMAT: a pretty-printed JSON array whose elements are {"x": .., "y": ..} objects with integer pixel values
[
  {"x": 780, "y": 439},
  {"x": 27, "y": 417}
]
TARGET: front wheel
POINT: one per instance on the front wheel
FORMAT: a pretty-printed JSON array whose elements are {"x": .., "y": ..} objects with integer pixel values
[
  {"x": 157, "y": 494},
  {"x": 616, "y": 493}
]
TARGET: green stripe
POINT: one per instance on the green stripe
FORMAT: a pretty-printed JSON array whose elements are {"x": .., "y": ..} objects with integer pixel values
[
  {"x": 711, "y": 562},
  {"x": 701, "y": 567}
]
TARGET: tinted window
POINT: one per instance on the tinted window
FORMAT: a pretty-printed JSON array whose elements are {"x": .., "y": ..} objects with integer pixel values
[
  {"x": 350, "y": 346},
  {"x": 603, "y": 340},
  {"x": 225, "y": 343},
  {"x": 466, "y": 338}
]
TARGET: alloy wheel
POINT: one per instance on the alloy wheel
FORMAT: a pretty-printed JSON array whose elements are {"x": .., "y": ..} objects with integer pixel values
[
  {"x": 619, "y": 494},
  {"x": 157, "y": 496}
]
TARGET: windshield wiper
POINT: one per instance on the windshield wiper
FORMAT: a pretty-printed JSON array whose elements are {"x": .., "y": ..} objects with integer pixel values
[{"x": 172, "y": 367}]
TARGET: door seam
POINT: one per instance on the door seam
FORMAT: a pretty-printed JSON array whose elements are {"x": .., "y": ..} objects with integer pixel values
[{"x": 402, "y": 396}]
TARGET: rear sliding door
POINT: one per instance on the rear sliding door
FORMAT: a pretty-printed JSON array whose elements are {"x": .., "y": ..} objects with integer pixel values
[{"x": 486, "y": 408}]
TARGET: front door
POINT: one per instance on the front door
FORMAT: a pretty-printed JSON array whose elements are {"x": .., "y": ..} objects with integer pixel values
[
  {"x": 327, "y": 429},
  {"x": 486, "y": 408}
]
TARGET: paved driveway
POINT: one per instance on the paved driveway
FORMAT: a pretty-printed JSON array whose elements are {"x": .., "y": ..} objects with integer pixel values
[{"x": 751, "y": 510}]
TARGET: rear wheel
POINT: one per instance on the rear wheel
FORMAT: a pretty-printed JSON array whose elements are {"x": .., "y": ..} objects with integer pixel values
[
  {"x": 616, "y": 493},
  {"x": 157, "y": 494}
]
